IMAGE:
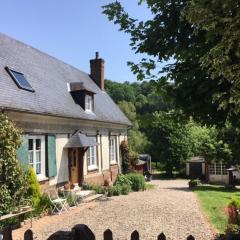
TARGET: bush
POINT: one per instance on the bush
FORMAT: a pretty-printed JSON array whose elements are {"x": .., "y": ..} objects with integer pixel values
[
  {"x": 125, "y": 189},
  {"x": 33, "y": 192},
  {"x": 232, "y": 229},
  {"x": 137, "y": 180},
  {"x": 193, "y": 183},
  {"x": 13, "y": 179},
  {"x": 117, "y": 189},
  {"x": 98, "y": 189},
  {"x": 110, "y": 191},
  {"x": 123, "y": 180}
]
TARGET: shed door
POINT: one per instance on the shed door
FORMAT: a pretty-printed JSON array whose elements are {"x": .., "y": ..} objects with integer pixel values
[{"x": 195, "y": 170}]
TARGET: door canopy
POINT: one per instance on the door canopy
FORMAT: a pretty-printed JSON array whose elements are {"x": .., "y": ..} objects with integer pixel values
[{"x": 80, "y": 140}]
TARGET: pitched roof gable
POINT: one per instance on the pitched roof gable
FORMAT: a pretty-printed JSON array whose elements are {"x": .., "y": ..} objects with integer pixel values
[{"x": 49, "y": 76}]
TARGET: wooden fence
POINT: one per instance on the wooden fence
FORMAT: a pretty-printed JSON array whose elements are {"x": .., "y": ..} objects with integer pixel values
[{"x": 82, "y": 232}]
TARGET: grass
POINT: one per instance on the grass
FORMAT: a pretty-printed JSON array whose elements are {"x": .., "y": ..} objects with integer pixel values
[{"x": 213, "y": 200}]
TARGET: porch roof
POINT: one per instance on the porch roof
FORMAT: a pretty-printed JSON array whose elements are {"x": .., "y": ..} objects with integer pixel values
[{"x": 80, "y": 140}]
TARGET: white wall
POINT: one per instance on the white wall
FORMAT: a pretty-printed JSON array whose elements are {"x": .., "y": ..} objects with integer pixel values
[
  {"x": 219, "y": 178},
  {"x": 62, "y": 160},
  {"x": 105, "y": 151}
]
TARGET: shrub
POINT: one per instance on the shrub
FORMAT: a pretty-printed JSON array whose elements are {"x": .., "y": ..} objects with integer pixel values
[
  {"x": 232, "y": 229},
  {"x": 125, "y": 189},
  {"x": 193, "y": 183},
  {"x": 117, "y": 189},
  {"x": 98, "y": 189},
  {"x": 123, "y": 180},
  {"x": 34, "y": 188},
  {"x": 43, "y": 206},
  {"x": 126, "y": 157},
  {"x": 86, "y": 186},
  {"x": 13, "y": 180},
  {"x": 137, "y": 180},
  {"x": 110, "y": 191}
]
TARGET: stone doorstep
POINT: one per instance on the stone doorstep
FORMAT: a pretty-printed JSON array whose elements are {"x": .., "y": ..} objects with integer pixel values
[
  {"x": 92, "y": 198},
  {"x": 85, "y": 193}
]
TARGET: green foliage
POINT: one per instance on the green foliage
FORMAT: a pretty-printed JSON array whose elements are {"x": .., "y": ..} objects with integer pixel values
[
  {"x": 110, "y": 191},
  {"x": 98, "y": 189},
  {"x": 116, "y": 190},
  {"x": 233, "y": 229},
  {"x": 123, "y": 180},
  {"x": 137, "y": 180},
  {"x": 126, "y": 158},
  {"x": 170, "y": 138},
  {"x": 137, "y": 140},
  {"x": 34, "y": 188},
  {"x": 125, "y": 189},
  {"x": 193, "y": 183},
  {"x": 43, "y": 206},
  {"x": 208, "y": 142},
  {"x": 235, "y": 201},
  {"x": 13, "y": 180},
  {"x": 199, "y": 38}
]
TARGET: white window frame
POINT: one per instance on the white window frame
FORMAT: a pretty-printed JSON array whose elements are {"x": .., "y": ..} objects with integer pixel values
[
  {"x": 112, "y": 150},
  {"x": 88, "y": 103},
  {"x": 42, "y": 174},
  {"x": 217, "y": 169},
  {"x": 92, "y": 157}
]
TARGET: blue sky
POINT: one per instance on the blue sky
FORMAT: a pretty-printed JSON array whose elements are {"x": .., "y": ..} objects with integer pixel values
[{"x": 73, "y": 30}]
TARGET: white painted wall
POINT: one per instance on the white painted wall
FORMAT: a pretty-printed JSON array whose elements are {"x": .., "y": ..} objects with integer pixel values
[
  {"x": 62, "y": 160},
  {"x": 105, "y": 151},
  {"x": 219, "y": 178}
]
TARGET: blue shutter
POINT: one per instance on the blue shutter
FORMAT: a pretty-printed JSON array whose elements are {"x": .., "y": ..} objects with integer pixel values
[
  {"x": 22, "y": 152},
  {"x": 51, "y": 154}
]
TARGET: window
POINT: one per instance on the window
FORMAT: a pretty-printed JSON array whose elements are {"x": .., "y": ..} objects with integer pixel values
[
  {"x": 20, "y": 80},
  {"x": 217, "y": 169},
  {"x": 212, "y": 169},
  {"x": 112, "y": 149},
  {"x": 88, "y": 103},
  {"x": 36, "y": 154},
  {"x": 92, "y": 157}
]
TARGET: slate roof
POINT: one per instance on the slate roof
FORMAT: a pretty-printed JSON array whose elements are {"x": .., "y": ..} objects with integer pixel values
[{"x": 49, "y": 77}]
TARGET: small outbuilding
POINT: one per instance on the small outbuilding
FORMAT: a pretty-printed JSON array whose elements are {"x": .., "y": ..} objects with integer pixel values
[{"x": 195, "y": 168}]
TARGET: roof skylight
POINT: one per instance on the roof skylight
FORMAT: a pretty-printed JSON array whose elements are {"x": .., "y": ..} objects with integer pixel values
[{"x": 20, "y": 80}]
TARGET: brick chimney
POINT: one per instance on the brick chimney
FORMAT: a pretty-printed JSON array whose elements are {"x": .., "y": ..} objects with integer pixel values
[{"x": 97, "y": 70}]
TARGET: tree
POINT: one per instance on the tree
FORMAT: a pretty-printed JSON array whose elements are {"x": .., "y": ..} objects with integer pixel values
[
  {"x": 208, "y": 142},
  {"x": 200, "y": 41},
  {"x": 13, "y": 181},
  {"x": 137, "y": 140},
  {"x": 170, "y": 140}
]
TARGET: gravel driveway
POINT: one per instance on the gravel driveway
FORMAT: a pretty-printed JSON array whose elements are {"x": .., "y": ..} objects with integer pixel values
[{"x": 170, "y": 208}]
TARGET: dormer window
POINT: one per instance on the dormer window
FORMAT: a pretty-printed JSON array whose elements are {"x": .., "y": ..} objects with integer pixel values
[
  {"x": 82, "y": 96},
  {"x": 88, "y": 103}
]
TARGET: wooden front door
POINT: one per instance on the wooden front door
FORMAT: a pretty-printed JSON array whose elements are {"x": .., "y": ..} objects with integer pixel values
[{"x": 75, "y": 165}]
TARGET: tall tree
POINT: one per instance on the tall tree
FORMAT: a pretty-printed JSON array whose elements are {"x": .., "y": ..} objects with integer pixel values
[{"x": 200, "y": 39}]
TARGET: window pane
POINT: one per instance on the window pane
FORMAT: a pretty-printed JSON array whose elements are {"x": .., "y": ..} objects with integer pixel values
[
  {"x": 212, "y": 169},
  {"x": 218, "y": 169},
  {"x": 38, "y": 144},
  {"x": 38, "y": 168},
  {"x": 224, "y": 170},
  {"x": 30, "y": 144},
  {"x": 30, "y": 157}
]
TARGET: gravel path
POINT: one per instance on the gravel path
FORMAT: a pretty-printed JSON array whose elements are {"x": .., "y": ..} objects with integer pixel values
[{"x": 170, "y": 208}]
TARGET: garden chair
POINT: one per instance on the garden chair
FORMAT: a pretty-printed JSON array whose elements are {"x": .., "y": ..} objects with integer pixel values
[{"x": 57, "y": 204}]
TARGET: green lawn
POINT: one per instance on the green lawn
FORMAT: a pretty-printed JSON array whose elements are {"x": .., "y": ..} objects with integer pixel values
[{"x": 213, "y": 200}]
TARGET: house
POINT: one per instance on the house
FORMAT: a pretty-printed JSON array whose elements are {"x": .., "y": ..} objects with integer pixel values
[
  {"x": 217, "y": 172},
  {"x": 72, "y": 128}
]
